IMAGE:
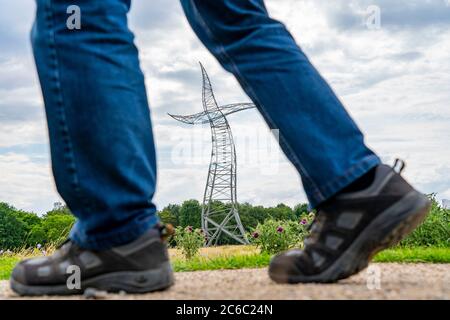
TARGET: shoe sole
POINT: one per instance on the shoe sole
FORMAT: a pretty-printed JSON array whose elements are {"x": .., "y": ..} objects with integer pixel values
[
  {"x": 391, "y": 226},
  {"x": 127, "y": 281}
]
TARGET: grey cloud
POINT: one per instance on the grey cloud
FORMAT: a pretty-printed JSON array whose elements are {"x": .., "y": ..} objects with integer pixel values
[
  {"x": 156, "y": 15},
  {"x": 188, "y": 99},
  {"x": 400, "y": 14},
  {"x": 406, "y": 56},
  {"x": 16, "y": 18},
  {"x": 11, "y": 113},
  {"x": 170, "y": 102},
  {"x": 438, "y": 185},
  {"x": 190, "y": 79},
  {"x": 15, "y": 76},
  {"x": 187, "y": 76},
  {"x": 415, "y": 14},
  {"x": 370, "y": 79},
  {"x": 36, "y": 151}
]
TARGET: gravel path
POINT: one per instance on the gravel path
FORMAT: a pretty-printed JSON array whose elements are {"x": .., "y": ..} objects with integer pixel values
[{"x": 380, "y": 281}]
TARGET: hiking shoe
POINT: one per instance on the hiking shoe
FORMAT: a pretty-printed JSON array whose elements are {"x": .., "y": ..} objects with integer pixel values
[
  {"x": 140, "y": 266},
  {"x": 351, "y": 228}
]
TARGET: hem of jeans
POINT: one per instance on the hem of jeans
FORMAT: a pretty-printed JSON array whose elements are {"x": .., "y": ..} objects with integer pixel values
[
  {"x": 113, "y": 238},
  {"x": 356, "y": 171}
]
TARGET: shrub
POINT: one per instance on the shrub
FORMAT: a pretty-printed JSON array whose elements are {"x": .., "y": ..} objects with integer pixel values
[
  {"x": 274, "y": 236},
  {"x": 57, "y": 227},
  {"x": 20, "y": 229},
  {"x": 12, "y": 230},
  {"x": 190, "y": 214},
  {"x": 434, "y": 231},
  {"x": 189, "y": 240},
  {"x": 170, "y": 214}
]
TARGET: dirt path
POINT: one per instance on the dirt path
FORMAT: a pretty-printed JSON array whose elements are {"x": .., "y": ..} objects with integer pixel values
[{"x": 396, "y": 281}]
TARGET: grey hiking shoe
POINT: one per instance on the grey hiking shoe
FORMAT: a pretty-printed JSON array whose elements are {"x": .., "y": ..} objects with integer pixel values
[
  {"x": 351, "y": 228},
  {"x": 138, "y": 267}
]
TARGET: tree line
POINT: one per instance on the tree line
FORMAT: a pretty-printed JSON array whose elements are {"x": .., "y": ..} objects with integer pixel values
[{"x": 22, "y": 229}]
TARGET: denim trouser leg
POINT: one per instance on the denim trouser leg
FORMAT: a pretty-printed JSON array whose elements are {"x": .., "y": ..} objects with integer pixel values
[
  {"x": 316, "y": 133},
  {"x": 102, "y": 151}
]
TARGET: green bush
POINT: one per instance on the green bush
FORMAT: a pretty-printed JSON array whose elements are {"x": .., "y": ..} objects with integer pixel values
[
  {"x": 170, "y": 214},
  {"x": 12, "y": 229},
  {"x": 434, "y": 231},
  {"x": 274, "y": 236},
  {"x": 190, "y": 214},
  {"x": 57, "y": 227},
  {"x": 189, "y": 240},
  {"x": 53, "y": 228},
  {"x": 20, "y": 229}
]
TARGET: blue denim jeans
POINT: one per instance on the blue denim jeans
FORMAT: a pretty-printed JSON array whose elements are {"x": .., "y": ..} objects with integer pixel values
[{"x": 102, "y": 150}]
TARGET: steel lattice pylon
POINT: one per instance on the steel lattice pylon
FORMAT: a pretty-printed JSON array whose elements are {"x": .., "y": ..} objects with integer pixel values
[{"x": 219, "y": 211}]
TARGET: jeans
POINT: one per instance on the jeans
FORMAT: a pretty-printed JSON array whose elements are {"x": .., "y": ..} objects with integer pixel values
[{"x": 102, "y": 151}]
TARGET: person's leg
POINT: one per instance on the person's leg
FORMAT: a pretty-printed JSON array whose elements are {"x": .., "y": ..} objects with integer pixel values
[
  {"x": 316, "y": 133},
  {"x": 362, "y": 205},
  {"x": 103, "y": 155},
  {"x": 102, "y": 151}
]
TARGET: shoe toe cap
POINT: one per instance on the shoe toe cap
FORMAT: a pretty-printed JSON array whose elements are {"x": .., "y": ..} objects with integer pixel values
[
  {"x": 19, "y": 274},
  {"x": 27, "y": 271},
  {"x": 283, "y": 266}
]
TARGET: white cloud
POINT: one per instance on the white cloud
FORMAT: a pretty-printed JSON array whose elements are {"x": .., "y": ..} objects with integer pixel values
[{"x": 26, "y": 183}]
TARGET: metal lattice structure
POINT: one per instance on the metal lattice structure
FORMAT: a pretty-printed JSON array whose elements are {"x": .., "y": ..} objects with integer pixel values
[{"x": 220, "y": 214}]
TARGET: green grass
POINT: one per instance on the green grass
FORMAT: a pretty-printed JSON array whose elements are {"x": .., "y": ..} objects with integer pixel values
[
  {"x": 239, "y": 261},
  {"x": 222, "y": 262},
  {"x": 6, "y": 266},
  {"x": 414, "y": 255}
]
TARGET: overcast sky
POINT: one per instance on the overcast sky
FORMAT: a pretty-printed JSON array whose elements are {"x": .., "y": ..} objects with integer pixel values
[{"x": 394, "y": 80}]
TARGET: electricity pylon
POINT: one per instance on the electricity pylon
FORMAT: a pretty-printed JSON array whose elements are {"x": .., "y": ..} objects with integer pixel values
[{"x": 219, "y": 211}]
